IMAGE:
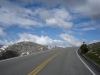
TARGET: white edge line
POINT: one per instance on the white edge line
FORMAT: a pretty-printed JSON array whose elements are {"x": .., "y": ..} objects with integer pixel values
[
  {"x": 25, "y": 55},
  {"x": 84, "y": 63}
]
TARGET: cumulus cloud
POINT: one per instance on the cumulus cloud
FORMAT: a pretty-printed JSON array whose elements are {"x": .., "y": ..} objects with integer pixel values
[
  {"x": 86, "y": 26},
  {"x": 44, "y": 40},
  {"x": 61, "y": 43},
  {"x": 13, "y": 14},
  {"x": 2, "y": 33},
  {"x": 86, "y": 29},
  {"x": 67, "y": 40},
  {"x": 58, "y": 22},
  {"x": 57, "y": 17},
  {"x": 69, "y": 31},
  {"x": 87, "y": 7},
  {"x": 94, "y": 41},
  {"x": 71, "y": 39},
  {"x": 53, "y": 2},
  {"x": 6, "y": 42},
  {"x": 90, "y": 9}
]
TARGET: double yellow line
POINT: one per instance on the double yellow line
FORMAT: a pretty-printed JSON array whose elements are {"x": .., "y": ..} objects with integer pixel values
[{"x": 35, "y": 71}]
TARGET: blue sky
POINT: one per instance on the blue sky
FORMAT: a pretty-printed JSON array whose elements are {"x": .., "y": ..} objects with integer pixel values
[{"x": 61, "y": 22}]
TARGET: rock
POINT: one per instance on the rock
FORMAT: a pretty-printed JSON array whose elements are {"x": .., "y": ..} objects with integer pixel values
[{"x": 9, "y": 54}]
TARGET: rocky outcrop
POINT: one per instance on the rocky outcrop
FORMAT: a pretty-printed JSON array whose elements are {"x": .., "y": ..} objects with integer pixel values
[
  {"x": 9, "y": 54},
  {"x": 26, "y": 47},
  {"x": 21, "y": 48}
]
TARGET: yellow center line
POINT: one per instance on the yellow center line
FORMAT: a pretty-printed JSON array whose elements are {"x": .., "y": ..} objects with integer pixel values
[{"x": 35, "y": 71}]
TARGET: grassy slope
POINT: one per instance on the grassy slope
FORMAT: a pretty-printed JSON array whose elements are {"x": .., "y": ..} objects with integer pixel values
[{"x": 94, "y": 52}]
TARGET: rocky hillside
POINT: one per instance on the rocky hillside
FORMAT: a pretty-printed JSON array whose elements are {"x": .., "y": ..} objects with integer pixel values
[
  {"x": 26, "y": 47},
  {"x": 21, "y": 48},
  {"x": 94, "y": 52}
]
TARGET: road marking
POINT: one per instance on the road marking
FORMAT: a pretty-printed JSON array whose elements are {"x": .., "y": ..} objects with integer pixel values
[
  {"x": 85, "y": 63},
  {"x": 35, "y": 71}
]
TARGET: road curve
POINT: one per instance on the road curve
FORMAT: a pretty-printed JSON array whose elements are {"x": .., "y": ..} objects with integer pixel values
[{"x": 55, "y": 61}]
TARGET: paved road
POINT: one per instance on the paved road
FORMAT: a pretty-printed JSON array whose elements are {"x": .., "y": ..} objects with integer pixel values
[{"x": 53, "y": 62}]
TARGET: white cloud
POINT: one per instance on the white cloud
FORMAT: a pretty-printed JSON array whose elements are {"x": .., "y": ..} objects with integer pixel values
[
  {"x": 12, "y": 18},
  {"x": 69, "y": 31},
  {"x": 61, "y": 43},
  {"x": 67, "y": 41},
  {"x": 13, "y": 14},
  {"x": 6, "y": 43},
  {"x": 91, "y": 8},
  {"x": 86, "y": 26},
  {"x": 44, "y": 40},
  {"x": 94, "y": 41},
  {"x": 63, "y": 14},
  {"x": 53, "y": 2},
  {"x": 57, "y": 17},
  {"x": 2, "y": 33},
  {"x": 44, "y": 14},
  {"x": 86, "y": 7},
  {"x": 34, "y": 38},
  {"x": 70, "y": 39},
  {"x": 58, "y": 22},
  {"x": 86, "y": 29}
]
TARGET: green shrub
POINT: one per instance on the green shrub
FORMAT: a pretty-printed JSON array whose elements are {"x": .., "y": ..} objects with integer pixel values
[{"x": 83, "y": 49}]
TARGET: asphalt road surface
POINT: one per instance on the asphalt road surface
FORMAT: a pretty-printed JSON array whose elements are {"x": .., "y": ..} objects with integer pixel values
[{"x": 62, "y": 61}]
